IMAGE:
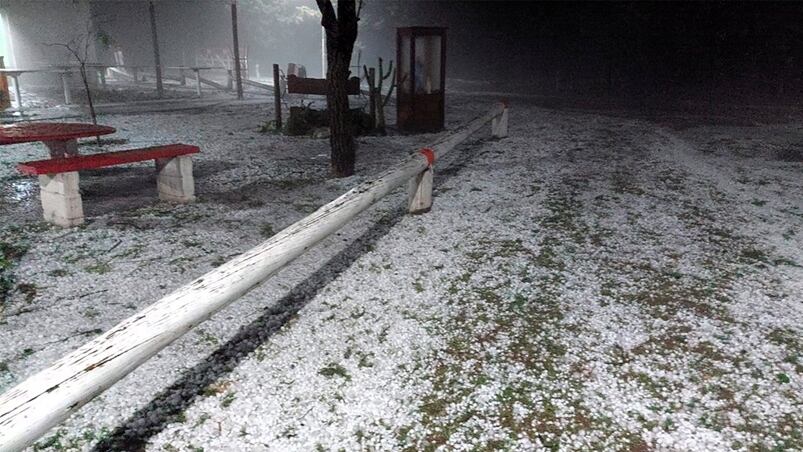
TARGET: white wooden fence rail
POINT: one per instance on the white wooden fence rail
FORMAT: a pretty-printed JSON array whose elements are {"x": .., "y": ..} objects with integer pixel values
[{"x": 30, "y": 409}]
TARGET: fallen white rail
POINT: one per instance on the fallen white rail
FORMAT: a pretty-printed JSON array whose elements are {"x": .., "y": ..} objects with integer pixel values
[{"x": 31, "y": 408}]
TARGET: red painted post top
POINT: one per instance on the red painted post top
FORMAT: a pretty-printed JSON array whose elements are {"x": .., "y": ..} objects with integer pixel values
[
  {"x": 50, "y": 131},
  {"x": 429, "y": 154}
]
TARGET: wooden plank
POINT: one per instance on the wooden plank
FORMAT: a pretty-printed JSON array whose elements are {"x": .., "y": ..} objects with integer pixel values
[
  {"x": 257, "y": 84},
  {"x": 32, "y": 407},
  {"x": 82, "y": 162},
  {"x": 298, "y": 85},
  {"x": 206, "y": 81}
]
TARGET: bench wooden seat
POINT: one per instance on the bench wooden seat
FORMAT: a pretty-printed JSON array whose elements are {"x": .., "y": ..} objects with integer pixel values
[{"x": 58, "y": 178}]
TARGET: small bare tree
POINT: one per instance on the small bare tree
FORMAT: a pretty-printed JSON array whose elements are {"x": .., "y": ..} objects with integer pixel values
[
  {"x": 378, "y": 99},
  {"x": 78, "y": 48}
]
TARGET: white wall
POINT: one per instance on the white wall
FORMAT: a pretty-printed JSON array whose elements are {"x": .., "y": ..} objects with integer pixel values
[{"x": 34, "y": 23}]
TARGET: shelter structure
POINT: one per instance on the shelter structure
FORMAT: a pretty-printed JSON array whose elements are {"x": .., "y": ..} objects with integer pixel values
[{"x": 421, "y": 78}]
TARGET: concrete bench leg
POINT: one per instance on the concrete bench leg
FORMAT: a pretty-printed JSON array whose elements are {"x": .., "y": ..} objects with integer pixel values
[
  {"x": 499, "y": 125},
  {"x": 420, "y": 192},
  {"x": 174, "y": 179},
  {"x": 61, "y": 200},
  {"x": 61, "y": 149}
]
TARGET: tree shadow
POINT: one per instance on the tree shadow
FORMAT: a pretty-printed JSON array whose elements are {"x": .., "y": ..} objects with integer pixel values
[{"x": 168, "y": 406}]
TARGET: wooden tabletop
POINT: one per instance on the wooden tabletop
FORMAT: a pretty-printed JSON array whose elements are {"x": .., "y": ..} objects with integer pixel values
[{"x": 50, "y": 131}]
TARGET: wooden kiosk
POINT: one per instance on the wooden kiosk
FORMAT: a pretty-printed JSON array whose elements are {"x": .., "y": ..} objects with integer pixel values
[{"x": 421, "y": 78}]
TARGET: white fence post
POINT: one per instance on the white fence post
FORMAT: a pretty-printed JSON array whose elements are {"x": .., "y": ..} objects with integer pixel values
[
  {"x": 17, "y": 91},
  {"x": 197, "y": 81},
  {"x": 65, "y": 84},
  {"x": 420, "y": 187},
  {"x": 499, "y": 125},
  {"x": 31, "y": 408}
]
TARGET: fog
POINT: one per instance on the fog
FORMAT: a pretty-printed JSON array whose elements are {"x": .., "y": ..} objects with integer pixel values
[{"x": 618, "y": 49}]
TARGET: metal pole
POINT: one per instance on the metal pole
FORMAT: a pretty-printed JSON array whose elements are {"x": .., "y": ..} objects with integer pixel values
[
  {"x": 323, "y": 52},
  {"x": 237, "y": 74},
  {"x": 157, "y": 62}
]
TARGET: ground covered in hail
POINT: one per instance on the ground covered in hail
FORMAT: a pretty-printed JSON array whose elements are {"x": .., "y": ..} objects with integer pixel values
[{"x": 595, "y": 281}]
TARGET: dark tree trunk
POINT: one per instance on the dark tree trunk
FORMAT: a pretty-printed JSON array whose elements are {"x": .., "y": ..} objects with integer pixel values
[
  {"x": 90, "y": 101},
  {"x": 341, "y": 32}
]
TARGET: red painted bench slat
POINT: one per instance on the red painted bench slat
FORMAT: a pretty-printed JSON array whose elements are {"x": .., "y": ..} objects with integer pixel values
[{"x": 83, "y": 162}]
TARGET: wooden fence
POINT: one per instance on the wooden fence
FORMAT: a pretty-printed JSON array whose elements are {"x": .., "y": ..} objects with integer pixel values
[{"x": 30, "y": 409}]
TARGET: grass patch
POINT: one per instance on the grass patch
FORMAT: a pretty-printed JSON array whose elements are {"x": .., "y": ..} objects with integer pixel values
[
  {"x": 98, "y": 268},
  {"x": 266, "y": 230},
  {"x": 58, "y": 273},
  {"x": 335, "y": 370},
  {"x": 228, "y": 399}
]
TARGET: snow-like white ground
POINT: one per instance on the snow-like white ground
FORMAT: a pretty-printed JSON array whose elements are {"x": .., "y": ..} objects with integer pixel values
[{"x": 592, "y": 282}]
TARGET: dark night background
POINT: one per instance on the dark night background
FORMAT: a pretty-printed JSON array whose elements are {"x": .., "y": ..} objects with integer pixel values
[{"x": 732, "y": 49}]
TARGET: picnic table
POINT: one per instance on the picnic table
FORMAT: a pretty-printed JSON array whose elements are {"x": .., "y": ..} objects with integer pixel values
[
  {"x": 58, "y": 175},
  {"x": 15, "y": 73},
  {"x": 61, "y": 138}
]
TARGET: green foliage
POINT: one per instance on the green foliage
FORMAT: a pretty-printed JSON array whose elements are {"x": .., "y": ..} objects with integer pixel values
[
  {"x": 334, "y": 369},
  {"x": 267, "y": 230},
  {"x": 104, "y": 38}
]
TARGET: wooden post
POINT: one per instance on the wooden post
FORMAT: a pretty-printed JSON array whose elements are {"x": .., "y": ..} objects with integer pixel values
[
  {"x": 420, "y": 192},
  {"x": 372, "y": 95},
  {"x": 229, "y": 84},
  {"x": 197, "y": 81},
  {"x": 5, "y": 95},
  {"x": 31, "y": 408},
  {"x": 499, "y": 125},
  {"x": 17, "y": 92},
  {"x": 277, "y": 96},
  {"x": 65, "y": 84},
  {"x": 156, "y": 59},
  {"x": 237, "y": 75}
]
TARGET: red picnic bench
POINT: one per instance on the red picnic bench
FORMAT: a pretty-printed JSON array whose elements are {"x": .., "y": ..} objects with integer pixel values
[{"x": 58, "y": 177}]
